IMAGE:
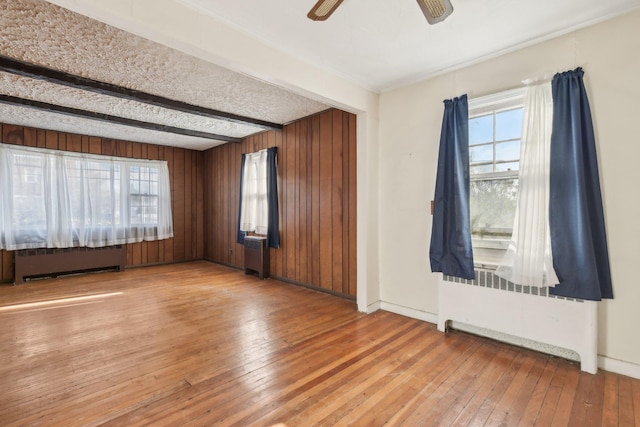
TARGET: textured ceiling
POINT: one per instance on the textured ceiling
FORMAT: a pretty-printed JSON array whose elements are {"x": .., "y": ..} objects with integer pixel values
[
  {"x": 41, "y": 33},
  {"x": 51, "y": 93},
  {"x": 45, "y": 120}
]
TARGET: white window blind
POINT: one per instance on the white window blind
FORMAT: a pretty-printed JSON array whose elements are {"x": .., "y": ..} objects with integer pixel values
[{"x": 57, "y": 199}]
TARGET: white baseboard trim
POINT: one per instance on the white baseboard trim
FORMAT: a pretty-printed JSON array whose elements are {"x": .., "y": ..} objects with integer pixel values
[
  {"x": 605, "y": 363},
  {"x": 373, "y": 307},
  {"x": 619, "y": 367},
  {"x": 409, "y": 312}
]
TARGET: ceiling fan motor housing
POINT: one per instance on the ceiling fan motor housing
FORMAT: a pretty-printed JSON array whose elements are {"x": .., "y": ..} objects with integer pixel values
[{"x": 435, "y": 10}]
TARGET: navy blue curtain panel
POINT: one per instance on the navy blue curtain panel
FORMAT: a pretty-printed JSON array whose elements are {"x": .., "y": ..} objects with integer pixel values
[
  {"x": 273, "y": 233},
  {"x": 240, "y": 234},
  {"x": 576, "y": 216},
  {"x": 450, "y": 251}
]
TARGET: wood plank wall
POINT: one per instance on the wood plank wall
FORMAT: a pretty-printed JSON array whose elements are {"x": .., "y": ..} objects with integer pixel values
[
  {"x": 186, "y": 169},
  {"x": 317, "y": 194}
]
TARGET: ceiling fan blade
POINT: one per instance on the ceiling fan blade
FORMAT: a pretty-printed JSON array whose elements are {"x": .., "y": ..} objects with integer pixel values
[
  {"x": 323, "y": 9},
  {"x": 435, "y": 10}
]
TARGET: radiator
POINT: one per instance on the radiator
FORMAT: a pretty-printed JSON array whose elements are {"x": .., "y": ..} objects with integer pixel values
[
  {"x": 46, "y": 262},
  {"x": 522, "y": 315}
]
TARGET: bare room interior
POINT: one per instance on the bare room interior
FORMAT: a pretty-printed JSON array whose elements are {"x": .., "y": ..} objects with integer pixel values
[{"x": 300, "y": 213}]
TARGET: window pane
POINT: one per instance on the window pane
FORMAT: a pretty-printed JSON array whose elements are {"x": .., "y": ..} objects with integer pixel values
[
  {"x": 481, "y": 154},
  {"x": 494, "y": 151},
  {"x": 29, "y": 208},
  {"x": 144, "y": 196},
  {"x": 481, "y": 129},
  {"x": 508, "y": 151},
  {"x": 493, "y": 206},
  {"x": 509, "y": 166},
  {"x": 481, "y": 169},
  {"x": 74, "y": 183},
  {"x": 102, "y": 182},
  {"x": 509, "y": 124}
]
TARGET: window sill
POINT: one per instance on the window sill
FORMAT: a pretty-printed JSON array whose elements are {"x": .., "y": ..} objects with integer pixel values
[
  {"x": 485, "y": 265},
  {"x": 488, "y": 254}
]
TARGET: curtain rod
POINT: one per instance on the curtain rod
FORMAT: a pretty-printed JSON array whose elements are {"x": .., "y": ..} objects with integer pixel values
[{"x": 102, "y": 157}]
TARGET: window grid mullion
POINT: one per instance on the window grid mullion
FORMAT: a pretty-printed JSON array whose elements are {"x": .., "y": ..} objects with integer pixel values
[{"x": 494, "y": 140}]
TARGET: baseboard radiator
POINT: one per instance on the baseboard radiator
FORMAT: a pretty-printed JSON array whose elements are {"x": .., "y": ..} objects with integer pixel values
[
  {"x": 48, "y": 262},
  {"x": 521, "y": 315}
]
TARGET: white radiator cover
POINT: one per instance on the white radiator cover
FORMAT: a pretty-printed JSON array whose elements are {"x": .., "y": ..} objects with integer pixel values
[{"x": 526, "y": 313}]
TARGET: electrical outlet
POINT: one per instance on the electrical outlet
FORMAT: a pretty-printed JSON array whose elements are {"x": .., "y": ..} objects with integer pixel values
[{"x": 230, "y": 252}]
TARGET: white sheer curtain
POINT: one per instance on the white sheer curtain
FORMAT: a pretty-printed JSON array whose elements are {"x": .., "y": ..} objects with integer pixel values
[
  {"x": 55, "y": 199},
  {"x": 254, "y": 212},
  {"x": 528, "y": 260}
]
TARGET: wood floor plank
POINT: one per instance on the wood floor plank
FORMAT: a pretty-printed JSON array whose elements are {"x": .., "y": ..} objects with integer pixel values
[
  {"x": 435, "y": 394},
  {"x": 376, "y": 404},
  {"x": 635, "y": 388},
  {"x": 514, "y": 401},
  {"x": 625, "y": 399},
  {"x": 312, "y": 403},
  {"x": 537, "y": 398},
  {"x": 226, "y": 384},
  {"x": 503, "y": 365},
  {"x": 463, "y": 393},
  {"x": 586, "y": 409},
  {"x": 290, "y": 407},
  {"x": 499, "y": 388},
  {"x": 610, "y": 400},
  {"x": 549, "y": 405},
  {"x": 203, "y": 344},
  {"x": 328, "y": 370},
  {"x": 568, "y": 404}
]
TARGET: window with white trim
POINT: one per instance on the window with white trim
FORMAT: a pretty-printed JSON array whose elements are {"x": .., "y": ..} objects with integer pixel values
[{"x": 495, "y": 132}]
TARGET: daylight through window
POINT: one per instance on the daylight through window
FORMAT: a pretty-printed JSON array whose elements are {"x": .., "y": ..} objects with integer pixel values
[
  {"x": 58, "y": 199},
  {"x": 495, "y": 131}
]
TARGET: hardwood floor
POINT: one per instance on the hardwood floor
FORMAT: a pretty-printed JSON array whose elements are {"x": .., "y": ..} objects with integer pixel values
[{"x": 201, "y": 344}]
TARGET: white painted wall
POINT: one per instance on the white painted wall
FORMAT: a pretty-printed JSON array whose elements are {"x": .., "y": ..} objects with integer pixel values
[{"x": 410, "y": 120}]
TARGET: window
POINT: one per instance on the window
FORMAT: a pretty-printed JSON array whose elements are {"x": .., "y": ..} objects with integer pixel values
[
  {"x": 58, "y": 199},
  {"x": 495, "y": 131},
  {"x": 258, "y": 208},
  {"x": 143, "y": 195},
  {"x": 28, "y": 193},
  {"x": 254, "y": 210}
]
